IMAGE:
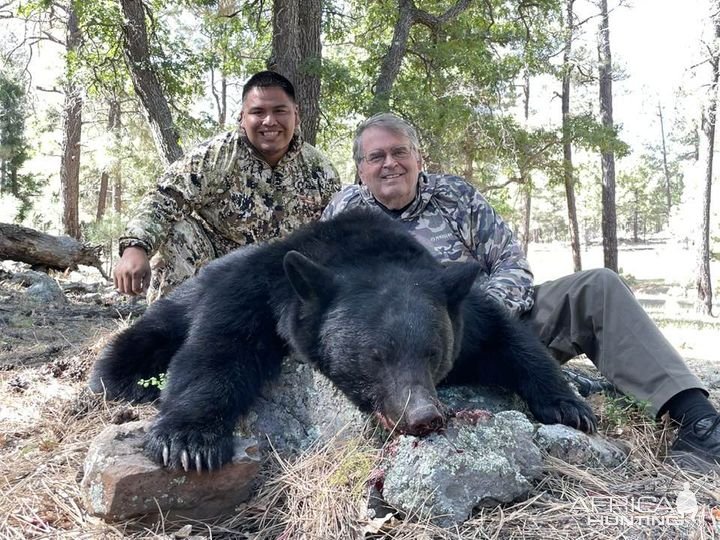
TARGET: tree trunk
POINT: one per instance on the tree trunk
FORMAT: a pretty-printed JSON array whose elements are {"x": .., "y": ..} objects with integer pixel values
[
  {"x": 609, "y": 219},
  {"x": 408, "y": 15},
  {"x": 102, "y": 195},
  {"x": 392, "y": 61},
  {"x": 113, "y": 125},
  {"x": 567, "y": 143},
  {"x": 221, "y": 98},
  {"x": 72, "y": 125},
  {"x": 668, "y": 187},
  {"x": 525, "y": 174},
  {"x": 117, "y": 192},
  {"x": 18, "y": 243},
  {"x": 146, "y": 83},
  {"x": 707, "y": 148},
  {"x": 297, "y": 53}
]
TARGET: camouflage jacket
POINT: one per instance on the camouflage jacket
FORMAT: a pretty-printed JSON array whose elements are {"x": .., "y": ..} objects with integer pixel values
[
  {"x": 235, "y": 195},
  {"x": 457, "y": 224}
]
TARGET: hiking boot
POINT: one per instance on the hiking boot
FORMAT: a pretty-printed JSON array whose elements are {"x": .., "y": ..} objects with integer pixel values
[
  {"x": 697, "y": 445},
  {"x": 588, "y": 385}
]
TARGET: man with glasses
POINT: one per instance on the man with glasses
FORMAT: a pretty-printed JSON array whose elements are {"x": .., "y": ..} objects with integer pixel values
[{"x": 591, "y": 312}]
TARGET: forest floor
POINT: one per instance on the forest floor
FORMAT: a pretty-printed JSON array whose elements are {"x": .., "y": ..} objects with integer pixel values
[{"x": 47, "y": 423}]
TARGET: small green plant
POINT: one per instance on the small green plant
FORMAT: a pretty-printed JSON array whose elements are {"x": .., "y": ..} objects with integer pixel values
[
  {"x": 160, "y": 381},
  {"x": 623, "y": 410}
]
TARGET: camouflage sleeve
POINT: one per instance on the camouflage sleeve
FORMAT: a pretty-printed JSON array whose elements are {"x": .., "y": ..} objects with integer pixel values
[
  {"x": 183, "y": 187},
  {"x": 347, "y": 198},
  {"x": 510, "y": 279},
  {"x": 326, "y": 173}
]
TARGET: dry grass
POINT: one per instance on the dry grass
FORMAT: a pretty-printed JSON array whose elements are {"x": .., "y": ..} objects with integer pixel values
[{"x": 322, "y": 495}]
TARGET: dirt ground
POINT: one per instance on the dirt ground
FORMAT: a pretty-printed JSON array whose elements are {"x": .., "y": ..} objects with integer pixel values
[{"x": 46, "y": 423}]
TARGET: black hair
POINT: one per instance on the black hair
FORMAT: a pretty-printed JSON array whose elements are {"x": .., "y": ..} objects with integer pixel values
[{"x": 269, "y": 79}]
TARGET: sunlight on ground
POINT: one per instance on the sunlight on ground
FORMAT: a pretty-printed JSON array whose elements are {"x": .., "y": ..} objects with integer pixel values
[{"x": 670, "y": 262}]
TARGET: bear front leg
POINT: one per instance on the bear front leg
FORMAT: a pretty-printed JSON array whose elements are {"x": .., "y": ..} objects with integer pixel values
[
  {"x": 209, "y": 386},
  {"x": 528, "y": 368},
  {"x": 499, "y": 350}
]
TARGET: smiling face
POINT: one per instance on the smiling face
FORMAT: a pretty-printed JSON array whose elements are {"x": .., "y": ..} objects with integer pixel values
[
  {"x": 269, "y": 117},
  {"x": 389, "y": 167}
]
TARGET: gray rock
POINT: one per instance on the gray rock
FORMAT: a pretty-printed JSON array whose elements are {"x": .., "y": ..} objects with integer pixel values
[
  {"x": 487, "y": 398},
  {"x": 119, "y": 482},
  {"x": 444, "y": 476},
  {"x": 301, "y": 407},
  {"x": 577, "y": 448},
  {"x": 44, "y": 288},
  {"x": 91, "y": 298},
  {"x": 27, "y": 278}
]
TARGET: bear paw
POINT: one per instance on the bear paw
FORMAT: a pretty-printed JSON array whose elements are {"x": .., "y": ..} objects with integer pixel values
[
  {"x": 566, "y": 410},
  {"x": 189, "y": 447}
]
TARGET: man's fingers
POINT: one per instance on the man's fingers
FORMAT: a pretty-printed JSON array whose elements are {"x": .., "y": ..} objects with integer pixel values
[{"x": 137, "y": 283}]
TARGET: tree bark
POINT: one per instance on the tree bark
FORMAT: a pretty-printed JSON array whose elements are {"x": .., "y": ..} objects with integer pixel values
[
  {"x": 609, "y": 215},
  {"x": 297, "y": 53},
  {"x": 703, "y": 282},
  {"x": 102, "y": 195},
  {"x": 117, "y": 192},
  {"x": 113, "y": 124},
  {"x": 668, "y": 187},
  {"x": 72, "y": 125},
  {"x": 567, "y": 143},
  {"x": 220, "y": 98},
  {"x": 524, "y": 172},
  {"x": 27, "y": 245},
  {"x": 408, "y": 15},
  {"x": 146, "y": 82}
]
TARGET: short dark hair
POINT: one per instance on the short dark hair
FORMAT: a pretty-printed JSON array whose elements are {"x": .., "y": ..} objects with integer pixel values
[{"x": 269, "y": 79}]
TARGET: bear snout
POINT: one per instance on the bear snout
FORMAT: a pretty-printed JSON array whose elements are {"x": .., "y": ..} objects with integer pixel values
[
  {"x": 423, "y": 420},
  {"x": 416, "y": 413}
]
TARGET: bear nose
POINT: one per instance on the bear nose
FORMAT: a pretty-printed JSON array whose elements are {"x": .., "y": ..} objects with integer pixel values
[{"x": 423, "y": 420}]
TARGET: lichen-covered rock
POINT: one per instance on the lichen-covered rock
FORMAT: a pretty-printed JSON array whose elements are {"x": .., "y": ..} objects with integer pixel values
[
  {"x": 493, "y": 399},
  {"x": 41, "y": 287},
  {"x": 577, "y": 448},
  {"x": 445, "y": 475},
  {"x": 299, "y": 408}
]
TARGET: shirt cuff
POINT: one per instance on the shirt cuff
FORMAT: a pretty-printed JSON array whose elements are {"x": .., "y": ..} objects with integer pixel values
[{"x": 126, "y": 242}]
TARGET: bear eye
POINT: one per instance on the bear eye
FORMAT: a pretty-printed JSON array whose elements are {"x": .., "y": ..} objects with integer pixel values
[{"x": 376, "y": 356}]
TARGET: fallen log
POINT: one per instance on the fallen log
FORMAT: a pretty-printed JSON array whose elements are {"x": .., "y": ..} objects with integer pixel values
[{"x": 27, "y": 245}]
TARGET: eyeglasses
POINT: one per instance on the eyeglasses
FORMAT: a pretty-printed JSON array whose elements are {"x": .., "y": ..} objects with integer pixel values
[{"x": 398, "y": 153}]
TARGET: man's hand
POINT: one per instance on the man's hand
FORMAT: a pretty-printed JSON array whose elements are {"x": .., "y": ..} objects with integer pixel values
[{"x": 132, "y": 273}]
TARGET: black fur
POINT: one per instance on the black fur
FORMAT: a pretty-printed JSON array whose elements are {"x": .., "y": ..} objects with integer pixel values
[{"x": 359, "y": 298}]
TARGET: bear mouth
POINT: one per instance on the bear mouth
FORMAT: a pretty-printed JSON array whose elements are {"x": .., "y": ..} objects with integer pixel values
[{"x": 402, "y": 428}]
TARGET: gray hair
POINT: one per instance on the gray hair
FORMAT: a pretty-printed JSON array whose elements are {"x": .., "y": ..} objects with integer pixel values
[{"x": 389, "y": 121}]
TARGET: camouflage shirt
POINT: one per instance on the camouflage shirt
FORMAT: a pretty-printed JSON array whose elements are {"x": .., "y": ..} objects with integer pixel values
[
  {"x": 236, "y": 196},
  {"x": 457, "y": 224}
]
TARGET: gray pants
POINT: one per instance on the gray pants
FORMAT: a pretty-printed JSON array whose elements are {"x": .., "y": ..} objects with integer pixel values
[{"x": 594, "y": 312}]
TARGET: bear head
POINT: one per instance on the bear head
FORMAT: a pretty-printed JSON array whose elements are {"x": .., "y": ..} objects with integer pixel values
[{"x": 385, "y": 334}]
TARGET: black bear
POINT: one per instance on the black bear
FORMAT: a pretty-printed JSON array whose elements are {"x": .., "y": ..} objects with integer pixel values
[{"x": 360, "y": 299}]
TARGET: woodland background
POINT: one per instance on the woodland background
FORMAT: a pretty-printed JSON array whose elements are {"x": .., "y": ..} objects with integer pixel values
[{"x": 98, "y": 96}]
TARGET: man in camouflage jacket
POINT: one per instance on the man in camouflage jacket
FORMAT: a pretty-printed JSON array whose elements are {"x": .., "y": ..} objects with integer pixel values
[
  {"x": 591, "y": 312},
  {"x": 254, "y": 183}
]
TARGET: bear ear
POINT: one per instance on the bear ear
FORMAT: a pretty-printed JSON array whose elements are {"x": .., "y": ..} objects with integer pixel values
[
  {"x": 458, "y": 279},
  {"x": 310, "y": 280}
]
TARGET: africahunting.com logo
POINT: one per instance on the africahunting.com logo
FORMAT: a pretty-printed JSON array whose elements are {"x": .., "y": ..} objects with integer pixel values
[{"x": 676, "y": 510}]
